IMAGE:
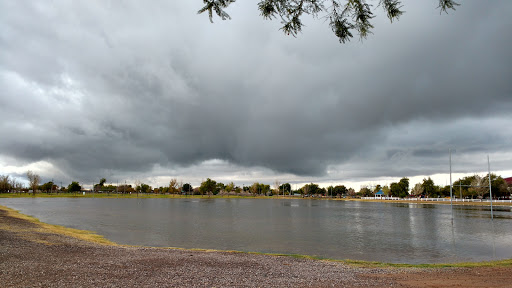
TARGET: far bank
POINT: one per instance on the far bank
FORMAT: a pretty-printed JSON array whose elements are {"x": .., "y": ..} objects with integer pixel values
[{"x": 433, "y": 201}]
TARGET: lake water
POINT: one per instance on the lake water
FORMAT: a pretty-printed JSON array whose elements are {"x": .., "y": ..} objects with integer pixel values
[{"x": 386, "y": 232}]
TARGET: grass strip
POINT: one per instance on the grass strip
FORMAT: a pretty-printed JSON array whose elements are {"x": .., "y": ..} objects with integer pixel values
[
  {"x": 85, "y": 235},
  {"x": 175, "y": 196}
]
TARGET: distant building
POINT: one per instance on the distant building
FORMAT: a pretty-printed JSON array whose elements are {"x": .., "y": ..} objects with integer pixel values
[
  {"x": 508, "y": 180},
  {"x": 380, "y": 194}
]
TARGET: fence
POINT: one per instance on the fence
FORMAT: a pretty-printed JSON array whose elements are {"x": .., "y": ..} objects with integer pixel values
[{"x": 437, "y": 199}]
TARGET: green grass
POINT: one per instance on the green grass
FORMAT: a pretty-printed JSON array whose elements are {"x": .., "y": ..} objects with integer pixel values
[
  {"x": 507, "y": 262},
  {"x": 85, "y": 235},
  {"x": 133, "y": 195}
]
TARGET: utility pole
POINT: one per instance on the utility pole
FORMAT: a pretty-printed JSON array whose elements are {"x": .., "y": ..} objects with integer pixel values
[
  {"x": 490, "y": 189},
  {"x": 460, "y": 189},
  {"x": 451, "y": 200},
  {"x": 460, "y": 185}
]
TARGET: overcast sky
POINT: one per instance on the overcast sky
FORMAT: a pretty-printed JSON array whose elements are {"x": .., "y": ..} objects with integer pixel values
[{"x": 150, "y": 90}]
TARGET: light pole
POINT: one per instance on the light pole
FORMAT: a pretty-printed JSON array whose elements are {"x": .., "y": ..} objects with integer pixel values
[
  {"x": 460, "y": 189},
  {"x": 451, "y": 203},
  {"x": 490, "y": 190}
]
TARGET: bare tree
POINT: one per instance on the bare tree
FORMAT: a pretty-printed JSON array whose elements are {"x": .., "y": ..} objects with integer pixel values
[
  {"x": 17, "y": 185},
  {"x": 478, "y": 182},
  {"x": 277, "y": 183},
  {"x": 417, "y": 189},
  {"x": 14, "y": 185},
  {"x": 305, "y": 189},
  {"x": 34, "y": 180}
]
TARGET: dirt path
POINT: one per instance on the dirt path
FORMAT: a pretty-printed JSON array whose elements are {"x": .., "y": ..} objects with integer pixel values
[
  {"x": 31, "y": 255},
  {"x": 460, "y": 277}
]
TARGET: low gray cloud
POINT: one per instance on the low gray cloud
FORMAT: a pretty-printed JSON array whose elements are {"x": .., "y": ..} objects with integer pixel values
[{"x": 92, "y": 87}]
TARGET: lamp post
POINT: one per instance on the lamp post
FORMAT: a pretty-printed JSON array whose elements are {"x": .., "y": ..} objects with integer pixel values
[
  {"x": 490, "y": 190},
  {"x": 451, "y": 203}
]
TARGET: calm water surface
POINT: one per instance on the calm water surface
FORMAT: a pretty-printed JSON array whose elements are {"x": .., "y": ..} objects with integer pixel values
[{"x": 387, "y": 232}]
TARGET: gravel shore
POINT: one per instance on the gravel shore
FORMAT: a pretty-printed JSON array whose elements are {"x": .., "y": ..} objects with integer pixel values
[{"x": 34, "y": 257}]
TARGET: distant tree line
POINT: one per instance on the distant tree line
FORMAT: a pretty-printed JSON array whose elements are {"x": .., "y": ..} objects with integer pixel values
[
  {"x": 11, "y": 185},
  {"x": 468, "y": 187},
  {"x": 472, "y": 187}
]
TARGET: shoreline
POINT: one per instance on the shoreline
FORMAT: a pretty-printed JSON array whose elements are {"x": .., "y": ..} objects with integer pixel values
[
  {"x": 94, "y": 238},
  {"x": 30, "y": 248},
  {"x": 37, "y": 254}
]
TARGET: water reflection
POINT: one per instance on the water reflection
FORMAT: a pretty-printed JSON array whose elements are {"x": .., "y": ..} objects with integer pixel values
[{"x": 388, "y": 232}]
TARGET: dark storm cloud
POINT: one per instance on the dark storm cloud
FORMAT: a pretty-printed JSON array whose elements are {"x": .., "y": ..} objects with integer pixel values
[{"x": 93, "y": 87}]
